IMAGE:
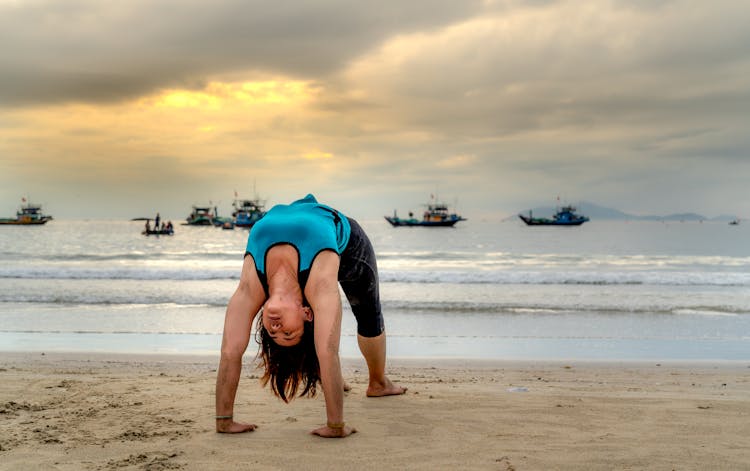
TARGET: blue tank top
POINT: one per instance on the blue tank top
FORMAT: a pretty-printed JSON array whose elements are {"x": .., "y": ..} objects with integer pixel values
[{"x": 307, "y": 225}]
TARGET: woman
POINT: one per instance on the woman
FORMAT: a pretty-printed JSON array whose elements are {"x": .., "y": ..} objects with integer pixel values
[{"x": 296, "y": 257}]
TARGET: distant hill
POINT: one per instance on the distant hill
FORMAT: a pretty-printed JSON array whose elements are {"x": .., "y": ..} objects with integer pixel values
[{"x": 594, "y": 211}]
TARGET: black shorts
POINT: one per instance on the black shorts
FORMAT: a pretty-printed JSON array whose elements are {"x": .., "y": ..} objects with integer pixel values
[{"x": 358, "y": 277}]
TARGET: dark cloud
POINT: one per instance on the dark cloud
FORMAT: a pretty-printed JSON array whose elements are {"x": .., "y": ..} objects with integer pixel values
[
  {"x": 635, "y": 104},
  {"x": 87, "y": 50}
]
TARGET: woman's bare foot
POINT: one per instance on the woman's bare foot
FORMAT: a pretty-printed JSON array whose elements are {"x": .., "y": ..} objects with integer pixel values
[
  {"x": 230, "y": 426},
  {"x": 327, "y": 432},
  {"x": 384, "y": 388}
]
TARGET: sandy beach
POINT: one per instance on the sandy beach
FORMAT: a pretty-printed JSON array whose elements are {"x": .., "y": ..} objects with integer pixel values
[{"x": 75, "y": 411}]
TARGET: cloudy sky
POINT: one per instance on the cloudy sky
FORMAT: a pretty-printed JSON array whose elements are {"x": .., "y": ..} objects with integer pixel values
[{"x": 120, "y": 109}]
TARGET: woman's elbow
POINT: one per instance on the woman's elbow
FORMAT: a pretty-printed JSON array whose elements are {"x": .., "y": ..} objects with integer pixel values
[
  {"x": 327, "y": 352},
  {"x": 232, "y": 352}
]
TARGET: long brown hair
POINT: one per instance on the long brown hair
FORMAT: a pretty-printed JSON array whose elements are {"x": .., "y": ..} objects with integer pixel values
[{"x": 288, "y": 369}]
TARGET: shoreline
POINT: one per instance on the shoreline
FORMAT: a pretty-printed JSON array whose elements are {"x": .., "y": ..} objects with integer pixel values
[
  {"x": 70, "y": 411},
  {"x": 510, "y": 347},
  {"x": 207, "y": 359}
]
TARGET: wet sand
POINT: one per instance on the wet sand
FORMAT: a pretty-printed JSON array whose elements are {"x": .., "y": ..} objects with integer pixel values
[{"x": 75, "y": 411}]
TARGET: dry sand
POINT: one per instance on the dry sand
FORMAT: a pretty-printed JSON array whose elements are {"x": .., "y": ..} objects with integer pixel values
[{"x": 79, "y": 412}]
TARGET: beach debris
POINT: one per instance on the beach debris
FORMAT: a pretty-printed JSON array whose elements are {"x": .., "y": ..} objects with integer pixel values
[
  {"x": 506, "y": 461},
  {"x": 148, "y": 460},
  {"x": 518, "y": 389},
  {"x": 66, "y": 383},
  {"x": 13, "y": 407}
]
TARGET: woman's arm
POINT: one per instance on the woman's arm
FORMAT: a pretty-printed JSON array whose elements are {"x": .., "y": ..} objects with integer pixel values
[
  {"x": 323, "y": 294},
  {"x": 241, "y": 311}
]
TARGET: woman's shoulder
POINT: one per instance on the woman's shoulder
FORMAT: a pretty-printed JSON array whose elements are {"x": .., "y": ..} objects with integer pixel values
[{"x": 309, "y": 199}]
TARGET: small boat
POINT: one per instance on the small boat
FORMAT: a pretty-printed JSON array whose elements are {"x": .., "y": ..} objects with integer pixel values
[
  {"x": 159, "y": 232},
  {"x": 163, "y": 229},
  {"x": 565, "y": 216},
  {"x": 222, "y": 222},
  {"x": 28, "y": 214},
  {"x": 436, "y": 215},
  {"x": 247, "y": 212},
  {"x": 200, "y": 216},
  {"x": 734, "y": 222}
]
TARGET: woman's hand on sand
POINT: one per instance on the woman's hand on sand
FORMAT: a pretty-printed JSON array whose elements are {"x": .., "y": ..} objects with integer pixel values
[
  {"x": 230, "y": 426},
  {"x": 328, "y": 432}
]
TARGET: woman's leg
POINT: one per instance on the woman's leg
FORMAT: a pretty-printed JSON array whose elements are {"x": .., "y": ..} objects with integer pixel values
[
  {"x": 358, "y": 276},
  {"x": 373, "y": 349}
]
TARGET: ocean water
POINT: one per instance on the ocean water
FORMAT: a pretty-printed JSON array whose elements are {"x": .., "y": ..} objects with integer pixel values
[{"x": 486, "y": 289}]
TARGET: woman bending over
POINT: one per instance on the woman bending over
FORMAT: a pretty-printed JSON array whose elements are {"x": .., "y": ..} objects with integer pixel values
[{"x": 296, "y": 257}]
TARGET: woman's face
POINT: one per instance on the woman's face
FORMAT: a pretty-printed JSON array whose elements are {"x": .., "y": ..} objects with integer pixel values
[{"x": 285, "y": 320}]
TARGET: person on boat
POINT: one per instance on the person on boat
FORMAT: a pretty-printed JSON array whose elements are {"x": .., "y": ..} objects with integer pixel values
[
  {"x": 296, "y": 256},
  {"x": 156, "y": 222},
  {"x": 148, "y": 226}
]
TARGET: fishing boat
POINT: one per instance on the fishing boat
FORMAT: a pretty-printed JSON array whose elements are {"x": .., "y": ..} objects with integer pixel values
[
  {"x": 436, "y": 215},
  {"x": 247, "y": 212},
  {"x": 151, "y": 232},
  {"x": 163, "y": 229},
  {"x": 28, "y": 214},
  {"x": 220, "y": 221},
  {"x": 565, "y": 216},
  {"x": 200, "y": 216},
  {"x": 734, "y": 222}
]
